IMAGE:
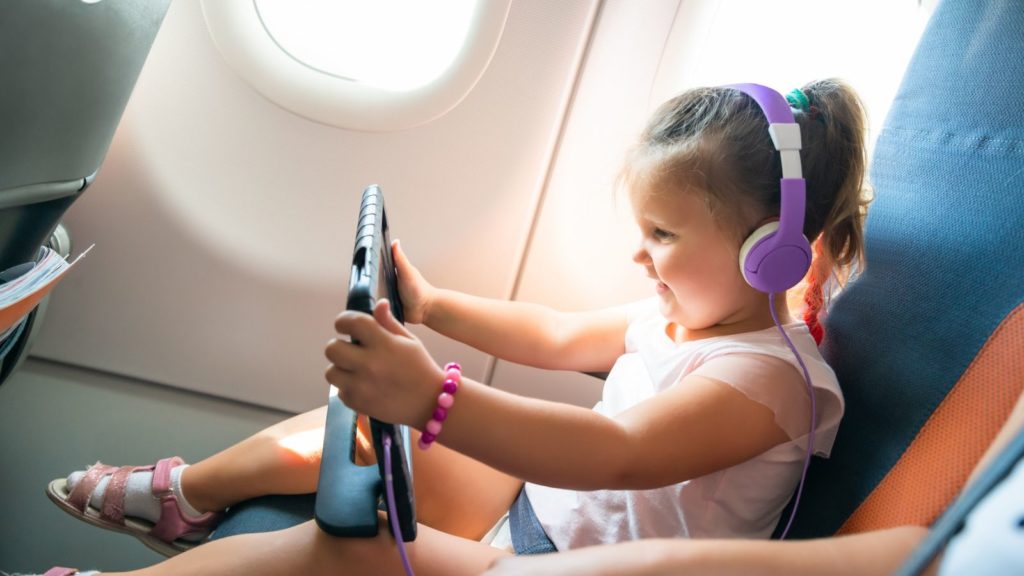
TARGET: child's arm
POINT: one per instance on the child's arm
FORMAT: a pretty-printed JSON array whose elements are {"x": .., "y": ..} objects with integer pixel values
[
  {"x": 531, "y": 334},
  {"x": 520, "y": 332},
  {"x": 694, "y": 428}
]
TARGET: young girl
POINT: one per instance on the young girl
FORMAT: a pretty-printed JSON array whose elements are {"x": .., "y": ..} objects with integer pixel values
[{"x": 702, "y": 430}]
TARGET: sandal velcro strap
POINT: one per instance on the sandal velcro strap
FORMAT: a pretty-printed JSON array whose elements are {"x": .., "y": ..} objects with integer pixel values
[
  {"x": 162, "y": 475},
  {"x": 113, "y": 496},
  {"x": 60, "y": 571},
  {"x": 79, "y": 497},
  {"x": 173, "y": 523}
]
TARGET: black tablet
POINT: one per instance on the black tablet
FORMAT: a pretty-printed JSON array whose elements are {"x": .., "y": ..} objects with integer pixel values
[{"x": 349, "y": 495}]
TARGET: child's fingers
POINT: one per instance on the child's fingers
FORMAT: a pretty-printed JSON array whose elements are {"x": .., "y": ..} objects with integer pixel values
[
  {"x": 413, "y": 288},
  {"x": 360, "y": 327},
  {"x": 382, "y": 312},
  {"x": 406, "y": 271},
  {"x": 399, "y": 257},
  {"x": 396, "y": 251},
  {"x": 343, "y": 355}
]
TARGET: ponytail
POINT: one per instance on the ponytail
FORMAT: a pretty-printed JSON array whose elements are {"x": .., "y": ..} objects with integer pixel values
[{"x": 835, "y": 163}]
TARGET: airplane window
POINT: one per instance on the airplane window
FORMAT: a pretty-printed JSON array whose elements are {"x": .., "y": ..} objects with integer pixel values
[
  {"x": 390, "y": 44},
  {"x": 373, "y": 66}
]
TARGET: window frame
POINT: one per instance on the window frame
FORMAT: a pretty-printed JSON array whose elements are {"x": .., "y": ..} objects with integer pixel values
[{"x": 243, "y": 41}]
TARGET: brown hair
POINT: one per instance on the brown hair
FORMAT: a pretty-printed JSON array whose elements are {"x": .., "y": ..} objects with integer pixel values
[{"x": 716, "y": 141}]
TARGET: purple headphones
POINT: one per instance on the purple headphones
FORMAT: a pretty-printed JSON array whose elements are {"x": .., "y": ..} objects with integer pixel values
[{"x": 776, "y": 256}]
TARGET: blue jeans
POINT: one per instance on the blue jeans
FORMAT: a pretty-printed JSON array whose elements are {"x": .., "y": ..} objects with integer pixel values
[
  {"x": 269, "y": 513},
  {"x": 528, "y": 536}
]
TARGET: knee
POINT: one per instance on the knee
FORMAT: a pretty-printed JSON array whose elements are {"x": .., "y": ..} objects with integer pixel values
[{"x": 361, "y": 555}]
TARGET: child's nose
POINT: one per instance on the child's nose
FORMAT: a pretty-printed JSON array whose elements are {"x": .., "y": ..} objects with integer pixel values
[{"x": 641, "y": 256}]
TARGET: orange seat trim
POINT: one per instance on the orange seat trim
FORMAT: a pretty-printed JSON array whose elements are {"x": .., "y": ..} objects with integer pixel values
[{"x": 936, "y": 465}]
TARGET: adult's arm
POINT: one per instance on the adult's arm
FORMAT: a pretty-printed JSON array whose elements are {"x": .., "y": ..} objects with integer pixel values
[{"x": 870, "y": 553}]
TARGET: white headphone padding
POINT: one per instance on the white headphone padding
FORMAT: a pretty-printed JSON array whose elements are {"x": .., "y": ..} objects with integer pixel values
[{"x": 756, "y": 236}]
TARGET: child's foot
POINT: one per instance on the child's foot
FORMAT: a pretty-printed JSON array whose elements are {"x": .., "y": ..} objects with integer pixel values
[{"x": 144, "y": 501}]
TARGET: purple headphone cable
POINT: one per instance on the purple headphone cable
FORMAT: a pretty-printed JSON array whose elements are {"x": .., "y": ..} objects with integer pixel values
[
  {"x": 814, "y": 415},
  {"x": 389, "y": 495}
]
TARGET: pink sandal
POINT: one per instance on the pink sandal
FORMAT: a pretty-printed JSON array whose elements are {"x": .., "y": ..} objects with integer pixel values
[
  {"x": 60, "y": 571},
  {"x": 166, "y": 537}
]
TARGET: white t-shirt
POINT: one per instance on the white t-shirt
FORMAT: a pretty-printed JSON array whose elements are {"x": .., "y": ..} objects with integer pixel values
[{"x": 743, "y": 501}]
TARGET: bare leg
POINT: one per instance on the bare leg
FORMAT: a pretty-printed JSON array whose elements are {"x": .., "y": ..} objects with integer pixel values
[
  {"x": 281, "y": 459},
  {"x": 304, "y": 549},
  {"x": 457, "y": 494},
  {"x": 454, "y": 493}
]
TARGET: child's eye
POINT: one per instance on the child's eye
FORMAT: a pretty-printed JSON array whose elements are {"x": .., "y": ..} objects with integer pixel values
[{"x": 660, "y": 234}]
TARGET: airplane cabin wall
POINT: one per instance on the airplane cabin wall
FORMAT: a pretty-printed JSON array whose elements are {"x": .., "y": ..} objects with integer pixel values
[
  {"x": 580, "y": 254},
  {"x": 224, "y": 224}
]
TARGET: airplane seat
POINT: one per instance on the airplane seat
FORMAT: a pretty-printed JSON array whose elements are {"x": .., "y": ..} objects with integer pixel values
[
  {"x": 67, "y": 70},
  {"x": 928, "y": 343}
]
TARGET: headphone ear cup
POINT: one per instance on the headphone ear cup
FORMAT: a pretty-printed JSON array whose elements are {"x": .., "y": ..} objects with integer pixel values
[{"x": 770, "y": 267}]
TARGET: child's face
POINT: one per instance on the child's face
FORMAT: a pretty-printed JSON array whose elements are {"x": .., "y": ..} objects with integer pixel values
[{"x": 692, "y": 259}]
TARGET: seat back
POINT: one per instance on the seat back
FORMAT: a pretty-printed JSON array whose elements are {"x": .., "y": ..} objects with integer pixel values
[
  {"x": 67, "y": 69},
  {"x": 928, "y": 343}
]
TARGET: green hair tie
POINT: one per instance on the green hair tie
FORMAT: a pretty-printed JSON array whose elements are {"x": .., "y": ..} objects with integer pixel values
[{"x": 797, "y": 99}]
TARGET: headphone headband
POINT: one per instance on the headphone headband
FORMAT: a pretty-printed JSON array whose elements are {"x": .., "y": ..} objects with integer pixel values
[{"x": 774, "y": 106}]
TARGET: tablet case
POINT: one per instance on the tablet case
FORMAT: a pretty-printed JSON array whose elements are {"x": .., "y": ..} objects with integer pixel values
[{"x": 348, "y": 495}]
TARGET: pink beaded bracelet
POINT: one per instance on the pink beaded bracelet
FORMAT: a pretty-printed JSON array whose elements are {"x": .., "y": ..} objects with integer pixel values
[{"x": 445, "y": 400}]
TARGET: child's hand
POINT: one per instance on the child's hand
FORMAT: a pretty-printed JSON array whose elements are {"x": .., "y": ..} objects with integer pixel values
[
  {"x": 389, "y": 374},
  {"x": 416, "y": 292}
]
